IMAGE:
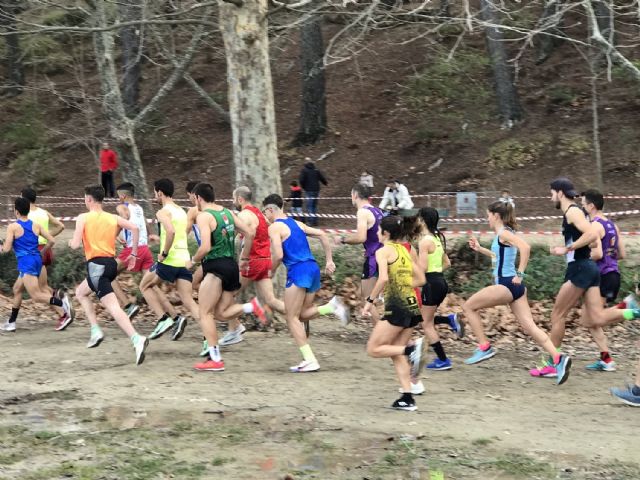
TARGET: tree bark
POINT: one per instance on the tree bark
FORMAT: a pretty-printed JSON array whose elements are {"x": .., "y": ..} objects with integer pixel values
[
  {"x": 313, "y": 118},
  {"x": 14, "y": 66},
  {"x": 131, "y": 55},
  {"x": 551, "y": 23},
  {"x": 506, "y": 92},
  {"x": 253, "y": 126}
]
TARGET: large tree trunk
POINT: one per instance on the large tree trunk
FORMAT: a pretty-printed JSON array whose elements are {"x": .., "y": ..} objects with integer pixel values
[
  {"x": 253, "y": 126},
  {"x": 131, "y": 10},
  {"x": 313, "y": 118},
  {"x": 551, "y": 24},
  {"x": 14, "y": 66},
  {"x": 508, "y": 99}
]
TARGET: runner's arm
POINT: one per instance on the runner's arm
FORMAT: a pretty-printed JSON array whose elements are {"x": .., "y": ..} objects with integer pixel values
[
  {"x": 474, "y": 244},
  {"x": 8, "y": 243},
  {"x": 596, "y": 250},
  {"x": 135, "y": 233},
  {"x": 360, "y": 236},
  {"x": 76, "y": 240},
  {"x": 192, "y": 215},
  {"x": 203, "y": 220},
  {"x": 382, "y": 255},
  {"x": 38, "y": 230},
  {"x": 523, "y": 247},
  {"x": 55, "y": 226},
  {"x": 321, "y": 235},
  {"x": 419, "y": 278},
  {"x": 621, "y": 251},
  {"x": 277, "y": 254},
  {"x": 425, "y": 247},
  {"x": 249, "y": 233},
  {"x": 446, "y": 262},
  {"x": 123, "y": 211},
  {"x": 589, "y": 233},
  {"x": 165, "y": 220}
]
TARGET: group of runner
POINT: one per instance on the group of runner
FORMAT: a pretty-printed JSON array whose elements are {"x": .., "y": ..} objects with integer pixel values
[{"x": 408, "y": 280}]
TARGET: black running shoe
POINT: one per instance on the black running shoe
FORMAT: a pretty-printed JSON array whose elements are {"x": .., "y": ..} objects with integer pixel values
[
  {"x": 405, "y": 403},
  {"x": 178, "y": 327}
]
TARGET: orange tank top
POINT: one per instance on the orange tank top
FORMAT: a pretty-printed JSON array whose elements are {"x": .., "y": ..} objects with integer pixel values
[{"x": 99, "y": 236}]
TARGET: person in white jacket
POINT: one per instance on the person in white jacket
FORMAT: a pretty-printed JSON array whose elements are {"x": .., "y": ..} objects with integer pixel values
[{"x": 396, "y": 197}]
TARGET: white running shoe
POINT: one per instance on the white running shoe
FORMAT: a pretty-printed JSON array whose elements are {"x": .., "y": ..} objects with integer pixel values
[
  {"x": 233, "y": 336},
  {"x": 96, "y": 339},
  {"x": 416, "y": 388},
  {"x": 67, "y": 307},
  {"x": 140, "y": 347},
  {"x": 417, "y": 357},
  {"x": 305, "y": 366},
  {"x": 340, "y": 310},
  {"x": 8, "y": 327}
]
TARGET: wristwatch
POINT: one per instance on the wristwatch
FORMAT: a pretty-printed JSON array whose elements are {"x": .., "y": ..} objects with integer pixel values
[{"x": 370, "y": 300}]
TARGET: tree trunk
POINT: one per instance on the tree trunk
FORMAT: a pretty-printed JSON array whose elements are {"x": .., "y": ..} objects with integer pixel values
[
  {"x": 508, "y": 99},
  {"x": 253, "y": 126},
  {"x": 14, "y": 66},
  {"x": 551, "y": 23},
  {"x": 131, "y": 10},
  {"x": 313, "y": 118}
]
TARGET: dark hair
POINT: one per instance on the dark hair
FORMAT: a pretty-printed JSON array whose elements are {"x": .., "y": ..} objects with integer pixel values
[
  {"x": 23, "y": 206},
  {"x": 400, "y": 228},
  {"x": 293, "y": 183},
  {"x": 273, "y": 199},
  {"x": 127, "y": 187},
  {"x": 362, "y": 191},
  {"x": 595, "y": 197},
  {"x": 29, "y": 193},
  {"x": 95, "y": 191},
  {"x": 191, "y": 185},
  {"x": 165, "y": 186},
  {"x": 505, "y": 210},
  {"x": 205, "y": 191},
  {"x": 431, "y": 217}
]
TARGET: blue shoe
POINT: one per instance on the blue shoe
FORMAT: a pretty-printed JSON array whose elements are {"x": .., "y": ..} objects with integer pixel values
[
  {"x": 626, "y": 396},
  {"x": 601, "y": 366},
  {"x": 438, "y": 364},
  {"x": 456, "y": 326},
  {"x": 563, "y": 367},
  {"x": 480, "y": 355}
]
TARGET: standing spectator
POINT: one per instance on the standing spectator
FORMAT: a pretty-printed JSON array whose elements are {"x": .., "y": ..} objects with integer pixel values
[
  {"x": 310, "y": 179},
  {"x": 396, "y": 197},
  {"x": 295, "y": 197},
  {"x": 366, "y": 179},
  {"x": 108, "y": 164},
  {"x": 507, "y": 198}
]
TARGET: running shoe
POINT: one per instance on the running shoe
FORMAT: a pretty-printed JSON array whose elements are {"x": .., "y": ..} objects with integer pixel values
[
  {"x": 209, "y": 366},
  {"x": 417, "y": 357},
  {"x": 404, "y": 404},
  {"x": 96, "y": 339},
  {"x": 178, "y": 327},
  {"x": 456, "y": 326},
  {"x": 8, "y": 327},
  {"x": 67, "y": 306},
  {"x": 563, "y": 368},
  {"x": 305, "y": 366},
  {"x": 438, "y": 364},
  {"x": 480, "y": 355},
  {"x": 340, "y": 310},
  {"x": 626, "y": 396},
  {"x": 63, "y": 322},
  {"x": 233, "y": 336},
  {"x": 544, "y": 371},
  {"x": 631, "y": 301},
  {"x": 161, "y": 327},
  {"x": 140, "y": 347},
  {"x": 205, "y": 349},
  {"x": 416, "y": 388},
  {"x": 258, "y": 311},
  {"x": 602, "y": 366},
  {"x": 132, "y": 310}
]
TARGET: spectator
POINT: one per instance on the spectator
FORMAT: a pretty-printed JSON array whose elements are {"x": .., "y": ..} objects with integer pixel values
[
  {"x": 108, "y": 165},
  {"x": 295, "y": 197},
  {"x": 310, "y": 179},
  {"x": 396, "y": 197},
  {"x": 366, "y": 179},
  {"x": 507, "y": 198}
]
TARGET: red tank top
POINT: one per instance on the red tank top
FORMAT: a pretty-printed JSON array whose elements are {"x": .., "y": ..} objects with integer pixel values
[{"x": 261, "y": 247}]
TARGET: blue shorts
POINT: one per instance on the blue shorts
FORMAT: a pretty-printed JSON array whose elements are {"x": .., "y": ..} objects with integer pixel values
[
  {"x": 583, "y": 274},
  {"x": 171, "y": 274},
  {"x": 517, "y": 291},
  {"x": 304, "y": 275},
  {"x": 370, "y": 267},
  {"x": 29, "y": 265}
]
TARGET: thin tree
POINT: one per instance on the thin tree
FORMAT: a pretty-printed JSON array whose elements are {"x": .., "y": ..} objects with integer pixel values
[
  {"x": 13, "y": 61},
  {"x": 131, "y": 55}
]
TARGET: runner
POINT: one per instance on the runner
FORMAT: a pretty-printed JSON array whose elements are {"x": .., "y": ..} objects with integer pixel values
[
  {"x": 22, "y": 237},
  {"x": 54, "y": 226},
  {"x": 289, "y": 245},
  {"x": 509, "y": 288},
  {"x": 171, "y": 264},
  {"x": 257, "y": 266},
  {"x": 398, "y": 275},
  {"x": 221, "y": 272},
  {"x": 96, "y": 231},
  {"x": 368, "y": 220},
  {"x": 192, "y": 213},
  {"x": 608, "y": 251},
  {"x": 582, "y": 278}
]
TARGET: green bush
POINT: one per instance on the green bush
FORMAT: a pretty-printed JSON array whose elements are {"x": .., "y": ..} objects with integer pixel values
[
  {"x": 35, "y": 166},
  {"x": 513, "y": 153},
  {"x": 68, "y": 268},
  {"x": 8, "y": 272},
  {"x": 28, "y": 130}
]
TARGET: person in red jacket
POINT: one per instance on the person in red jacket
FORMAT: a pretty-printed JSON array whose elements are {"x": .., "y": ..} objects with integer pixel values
[{"x": 108, "y": 164}]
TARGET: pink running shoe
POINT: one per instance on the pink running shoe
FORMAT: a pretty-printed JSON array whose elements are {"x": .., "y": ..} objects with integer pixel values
[{"x": 546, "y": 371}]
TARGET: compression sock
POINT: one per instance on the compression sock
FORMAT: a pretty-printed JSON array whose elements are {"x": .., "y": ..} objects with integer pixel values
[
  {"x": 214, "y": 353},
  {"x": 14, "y": 315},
  {"x": 326, "y": 309},
  {"x": 55, "y": 301},
  {"x": 409, "y": 349},
  {"x": 439, "y": 350},
  {"x": 307, "y": 353},
  {"x": 605, "y": 357}
]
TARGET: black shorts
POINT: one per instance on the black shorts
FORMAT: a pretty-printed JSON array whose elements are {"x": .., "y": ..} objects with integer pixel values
[
  {"x": 171, "y": 274},
  {"x": 101, "y": 271},
  {"x": 226, "y": 269},
  {"x": 610, "y": 286},
  {"x": 583, "y": 274},
  {"x": 399, "y": 314},
  {"x": 435, "y": 290},
  {"x": 517, "y": 291}
]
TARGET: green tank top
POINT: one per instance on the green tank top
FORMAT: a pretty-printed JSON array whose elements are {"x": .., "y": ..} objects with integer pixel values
[
  {"x": 178, "y": 254},
  {"x": 222, "y": 238},
  {"x": 435, "y": 259}
]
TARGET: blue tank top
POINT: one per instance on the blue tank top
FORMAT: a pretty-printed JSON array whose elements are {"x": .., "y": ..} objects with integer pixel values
[
  {"x": 27, "y": 244},
  {"x": 504, "y": 260},
  {"x": 296, "y": 247},
  {"x": 609, "y": 261},
  {"x": 196, "y": 234},
  {"x": 372, "y": 244}
]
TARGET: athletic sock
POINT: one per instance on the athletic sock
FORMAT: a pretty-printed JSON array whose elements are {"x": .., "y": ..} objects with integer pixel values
[
  {"x": 55, "y": 301},
  {"x": 621, "y": 305},
  {"x": 629, "y": 314},
  {"x": 326, "y": 309},
  {"x": 635, "y": 390},
  {"x": 605, "y": 357},
  {"x": 439, "y": 350},
  {"x": 14, "y": 315},
  {"x": 95, "y": 329},
  {"x": 247, "y": 307},
  {"x": 307, "y": 353},
  {"x": 214, "y": 353},
  {"x": 164, "y": 317},
  {"x": 441, "y": 320},
  {"x": 406, "y": 397},
  {"x": 484, "y": 346},
  {"x": 135, "y": 338},
  {"x": 556, "y": 358},
  {"x": 127, "y": 306},
  {"x": 409, "y": 349}
]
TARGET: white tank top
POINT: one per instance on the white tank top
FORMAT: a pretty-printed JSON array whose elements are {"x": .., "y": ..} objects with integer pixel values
[{"x": 136, "y": 216}]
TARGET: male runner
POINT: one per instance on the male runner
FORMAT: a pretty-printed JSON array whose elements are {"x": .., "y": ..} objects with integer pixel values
[
  {"x": 290, "y": 246},
  {"x": 192, "y": 227},
  {"x": 171, "y": 264},
  {"x": 96, "y": 231}
]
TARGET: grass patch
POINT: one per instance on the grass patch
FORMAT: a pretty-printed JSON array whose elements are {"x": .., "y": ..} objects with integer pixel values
[
  {"x": 523, "y": 466},
  {"x": 481, "y": 442},
  {"x": 220, "y": 461},
  {"x": 513, "y": 153}
]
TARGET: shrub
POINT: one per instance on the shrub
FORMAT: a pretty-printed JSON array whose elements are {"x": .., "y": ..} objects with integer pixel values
[
  {"x": 68, "y": 268},
  {"x": 34, "y": 164},
  {"x": 512, "y": 153}
]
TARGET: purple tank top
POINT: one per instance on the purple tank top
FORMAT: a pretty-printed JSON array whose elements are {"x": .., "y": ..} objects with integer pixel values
[
  {"x": 609, "y": 261},
  {"x": 372, "y": 244}
]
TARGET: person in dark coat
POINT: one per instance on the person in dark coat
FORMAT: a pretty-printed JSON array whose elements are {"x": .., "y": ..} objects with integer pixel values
[{"x": 310, "y": 179}]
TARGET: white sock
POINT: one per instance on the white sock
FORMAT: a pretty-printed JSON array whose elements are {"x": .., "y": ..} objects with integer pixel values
[
  {"x": 247, "y": 307},
  {"x": 214, "y": 353}
]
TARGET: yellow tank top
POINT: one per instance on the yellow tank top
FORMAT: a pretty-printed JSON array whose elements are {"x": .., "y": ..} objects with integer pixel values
[
  {"x": 434, "y": 260},
  {"x": 399, "y": 290},
  {"x": 41, "y": 217},
  {"x": 178, "y": 254},
  {"x": 99, "y": 235}
]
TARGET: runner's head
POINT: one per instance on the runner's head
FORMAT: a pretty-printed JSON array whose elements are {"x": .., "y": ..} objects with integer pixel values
[
  {"x": 93, "y": 194},
  {"x": 163, "y": 188},
  {"x": 272, "y": 207},
  {"x": 242, "y": 196},
  {"x": 397, "y": 228},
  {"x": 29, "y": 193},
  {"x": 592, "y": 201},
  {"x": 360, "y": 192},
  {"x": 126, "y": 191},
  {"x": 562, "y": 188},
  {"x": 204, "y": 193},
  {"x": 22, "y": 206},
  {"x": 191, "y": 185},
  {"x": 501, "y": 211},
  {"x": 106, "y": 146},
  {"x": 430, "y": 217}
]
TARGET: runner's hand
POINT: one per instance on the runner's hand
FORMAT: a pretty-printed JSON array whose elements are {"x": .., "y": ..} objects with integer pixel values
[
  {"x": 558, "y": 251},
  {"x": 188, "y": 265},
  {"x": 244, "y": 266},
  {"x": 474, "y": 244},
  {"x": 330, "y": 268},
  {"x": 131, "y": 262},
  {"x": 516, "y": 280},
  {"x": 366, "y": 310}
]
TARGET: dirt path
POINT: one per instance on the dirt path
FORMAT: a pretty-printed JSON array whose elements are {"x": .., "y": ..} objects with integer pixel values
[{"x": 69, "y": 412}]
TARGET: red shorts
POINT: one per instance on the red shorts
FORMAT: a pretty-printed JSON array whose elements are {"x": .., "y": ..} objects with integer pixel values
[
  {"x": 47, "y": 258},
  {"x": 144, "y": 260},
  {"x": 258, "y": 269}
]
